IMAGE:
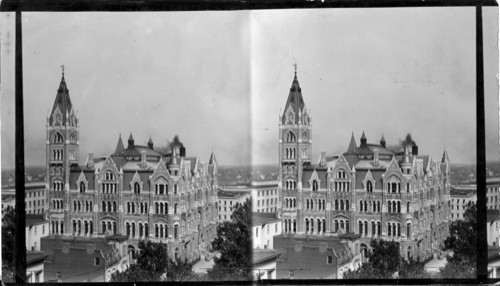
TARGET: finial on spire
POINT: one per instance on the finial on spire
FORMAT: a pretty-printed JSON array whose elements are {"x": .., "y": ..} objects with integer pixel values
[
  {"x": 62, "y": 67},
  {"x": 295, "y": 65}
]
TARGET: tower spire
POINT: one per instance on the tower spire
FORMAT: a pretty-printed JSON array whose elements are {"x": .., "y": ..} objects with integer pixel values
[{"x": 62, "y": 67}]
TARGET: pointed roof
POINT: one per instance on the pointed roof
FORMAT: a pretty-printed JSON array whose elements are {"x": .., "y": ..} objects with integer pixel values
[
  {"x": 382, "y": 140},
  {"x": 445, "y": 158},
  {"x": 150, "y": 142},
  {"x": 363, "y": 139},
  {"x": 130, "y": 141},
  {"x": 119, "y": 146},
  {"x": 406, "y": 156},
  {"x": 352, "y": 144},
  {"x": 295, "y": 99},
  {"x": 63, "y": 102},
  {"x": 212, "y": 159}
]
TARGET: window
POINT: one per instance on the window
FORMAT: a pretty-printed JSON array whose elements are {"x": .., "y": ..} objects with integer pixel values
[
  {"x": 97, "y": 261},
  {"x": 369, "y": 187},
  {"x": 137, "y": 188},
  {"x": 315, "y": 185},
  {"x": 329, "y": 259}
]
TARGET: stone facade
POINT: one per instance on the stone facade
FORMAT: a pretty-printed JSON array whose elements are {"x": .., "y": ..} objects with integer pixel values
[
  {"x": 137, "y": 191},
  {"x": 369, "y": 190}
]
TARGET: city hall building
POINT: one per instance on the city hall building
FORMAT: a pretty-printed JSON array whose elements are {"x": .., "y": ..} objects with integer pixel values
[
  {"x": 136, "y": 191},
  {"x": 369, "y": 190}
]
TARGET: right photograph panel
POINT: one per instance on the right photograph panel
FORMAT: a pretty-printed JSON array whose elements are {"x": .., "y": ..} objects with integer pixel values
[{"x": 364, "y": 143}]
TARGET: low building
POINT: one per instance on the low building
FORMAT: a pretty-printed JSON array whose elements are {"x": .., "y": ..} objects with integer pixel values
[
  {"x": 493, "y": 262},
  {"x": 493, "y": 193},
  {"x": 265, "y": 196},
  {"x": 35, "y": 266},
  {"x": 34, "y": 197},
  {"x": 36, "y": 228},
  {"x": 316, "y": 256},
  {"x": 493, "y": 227},
  {"x": 85, "y": 259},
  {"x": 264, "y": 263},
  {"x": 264, "y": 227},
  {"x": 228, "y": 199},
  {"x": 461, "y": 197}
]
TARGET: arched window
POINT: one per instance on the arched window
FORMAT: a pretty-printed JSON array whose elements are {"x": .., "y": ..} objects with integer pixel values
[
  {"x": 360, "y": 224},
  {"x": 128, "y": 228},
  {"x": 175, "y": 208},
  {"x": 366, "y": 227},
  {"x": 307, "y": 225},
  {"x": 133, "y": 229},
  {"x": 114, "y": 227},
  {"x": 58, "y": 138},
  {"x": 109, "y": 176},
  {"x": 342, "y": 205},
  {"x": 72, "y": 138},
  {"x": 109, "y": 206},
  {"x": 82, "y": 187},
  {"x": 366, "y": 206},
  {"x": 336, "y": 225},
  {"x": 176, "y": 231},
  {"x": 408, "y": 230},
  {"x": 360, "y": 206},
  {"x": 379, "y": 228},
  {"x": 369, "y": 187},
  {"x": 315, "y": 185},
  {"x": 103, "y": 206},
  {"x": 373, "y": 228},
  {"x": 290, "y": 137},
  {"x": 399, "y": 206},
  {"x": 388, "y": 229},
  {"x": 137, "y": 188},
  {"x": 408, "y": 207},
  {"x": 347, "y": 205},
  {"x": 114, "y": 206}
]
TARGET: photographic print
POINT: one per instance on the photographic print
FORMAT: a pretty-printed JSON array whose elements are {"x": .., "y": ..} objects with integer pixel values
[{"x": 283, "y": 144}]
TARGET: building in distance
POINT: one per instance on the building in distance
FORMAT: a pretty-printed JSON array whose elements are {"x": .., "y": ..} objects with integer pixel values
[
  {"x": 265, "y": 196},
  {"x": 229, "y": 200}
]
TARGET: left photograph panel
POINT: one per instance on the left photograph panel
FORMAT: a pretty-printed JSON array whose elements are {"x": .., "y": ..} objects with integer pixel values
[{"x": 136, "y": 125}]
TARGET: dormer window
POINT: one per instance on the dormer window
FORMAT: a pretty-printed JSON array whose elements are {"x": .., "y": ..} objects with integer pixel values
[
  {"x": 369, "y": 186},
  {"x": 137, "y": 188},
  {"x": 315, "y": 185},
  {"x": 82, "y": 187},
  {"x": 109, "y": 176}
]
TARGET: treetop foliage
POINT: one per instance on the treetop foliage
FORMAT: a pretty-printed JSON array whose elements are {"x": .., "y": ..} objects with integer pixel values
[{"x": 234, "y": 243}]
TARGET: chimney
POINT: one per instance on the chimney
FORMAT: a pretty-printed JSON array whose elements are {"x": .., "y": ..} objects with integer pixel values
[
  {"x": 183, "y": 152},
  {"x": 90, "y": 161},
  {"x": 322, "y": 162},
  {"x": 414, "y": 150},
  {"x": 375, "y": 157}
]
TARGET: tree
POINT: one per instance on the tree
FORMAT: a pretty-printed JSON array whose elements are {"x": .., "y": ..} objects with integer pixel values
[
  {"x": 462, "y": 242},
  {"x": 152, "y": 264},
  {"x": 385, "y": 262},
  {"x": 235, "y": 246},
  {"x": 8, "y": 230}
]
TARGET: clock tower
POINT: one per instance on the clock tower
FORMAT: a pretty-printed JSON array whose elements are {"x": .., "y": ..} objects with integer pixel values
[{"x": 62, "y": 152}]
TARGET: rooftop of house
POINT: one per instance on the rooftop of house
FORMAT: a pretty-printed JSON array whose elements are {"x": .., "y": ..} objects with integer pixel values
[
  {"x": 260, "y": 218},
  {"x": 34, "y": 219},
  {"x": 261, "y": 255}
]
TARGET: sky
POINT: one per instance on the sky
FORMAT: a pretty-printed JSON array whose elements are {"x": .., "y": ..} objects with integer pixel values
[{"x": 220, "y": 80}]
